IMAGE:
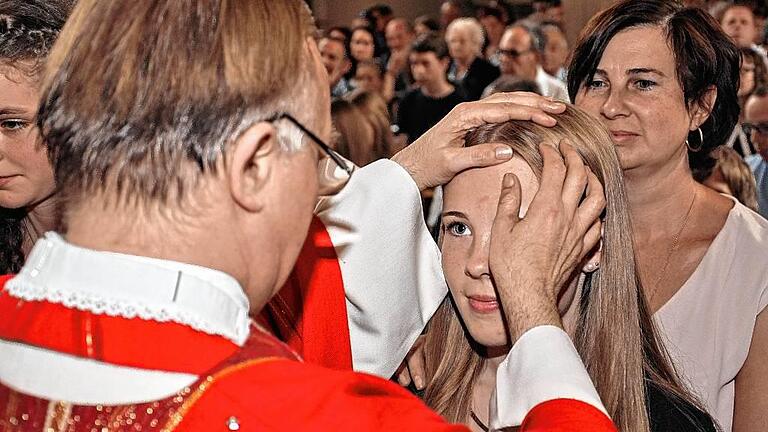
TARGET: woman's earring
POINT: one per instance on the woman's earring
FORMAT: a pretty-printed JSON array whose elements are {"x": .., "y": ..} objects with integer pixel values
[
  {"x": 591, "y": 267},
  {"x": 701, "y": 142}
]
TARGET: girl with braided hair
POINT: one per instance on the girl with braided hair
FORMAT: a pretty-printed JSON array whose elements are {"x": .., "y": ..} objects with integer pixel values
[{"x": 28, "y": 29}]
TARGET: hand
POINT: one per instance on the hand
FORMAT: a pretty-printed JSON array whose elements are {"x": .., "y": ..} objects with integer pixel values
[
  {"x": 438, "y": 155},
  {"x": 412, "y": 369},
  {"x": 532, "y": 258},
  {"x": 397, "y": 61}
]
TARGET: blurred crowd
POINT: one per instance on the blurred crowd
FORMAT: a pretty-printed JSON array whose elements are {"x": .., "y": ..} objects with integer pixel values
[{"x": 393, "y": 78}]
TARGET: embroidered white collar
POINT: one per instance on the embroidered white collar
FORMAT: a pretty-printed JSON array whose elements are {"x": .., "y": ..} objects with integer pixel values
[{"x": 133, "y": 286}]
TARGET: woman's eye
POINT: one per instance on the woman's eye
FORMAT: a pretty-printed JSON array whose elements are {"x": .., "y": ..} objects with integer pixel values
[
  {"x": 644, "y": 84},
  {"x": 458, "y": 229},
  {"x": 596, "y": 84},
  {"x": 13, "y": 125}
]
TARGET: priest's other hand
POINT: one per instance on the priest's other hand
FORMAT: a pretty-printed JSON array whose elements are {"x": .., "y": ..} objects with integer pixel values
[
  {"x": 438, "y": 155},
  {"x": 532, "y": 258}
]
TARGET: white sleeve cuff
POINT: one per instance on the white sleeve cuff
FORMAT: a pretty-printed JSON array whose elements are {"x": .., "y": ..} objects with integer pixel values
[
  {"x": 393, "y": 278},
  {"x": 543, "y": 365}
]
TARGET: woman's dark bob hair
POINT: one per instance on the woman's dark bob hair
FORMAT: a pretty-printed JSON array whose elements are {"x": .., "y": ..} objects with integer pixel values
[{"x": 704, "y": 55}]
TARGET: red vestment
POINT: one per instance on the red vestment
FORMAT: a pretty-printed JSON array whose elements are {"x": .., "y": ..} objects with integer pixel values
[{"x": 261, "y": 386}]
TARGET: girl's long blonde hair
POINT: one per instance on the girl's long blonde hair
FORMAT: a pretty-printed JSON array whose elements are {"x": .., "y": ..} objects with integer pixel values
[{"x": 615, "y": 335}]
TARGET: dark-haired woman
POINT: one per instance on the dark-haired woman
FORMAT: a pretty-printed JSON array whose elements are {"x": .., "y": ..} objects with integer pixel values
[
  {"x": 664, "y": 81},
  {"x": 28, "y": 29}
]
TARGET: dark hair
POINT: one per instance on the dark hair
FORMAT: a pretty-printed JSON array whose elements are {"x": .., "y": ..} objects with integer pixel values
[
  {"x": 341, "y": 29},
  {"x": 511, "y": 83},
  {"x": 431, "y": 43},
  {"x": 491, "y": 11},
  {"x": 466, "y": 7},
  {"x": 427, "y": 22},
  {"x": 704, "y": 57},
  {"x": 378, "y": 49},
  {"x": 28, "y": 30},
  {"x": 382, "y": 9}
]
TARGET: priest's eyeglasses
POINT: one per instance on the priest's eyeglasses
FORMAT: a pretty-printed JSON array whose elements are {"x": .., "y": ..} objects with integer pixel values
[{"x": 323, "y": 146}]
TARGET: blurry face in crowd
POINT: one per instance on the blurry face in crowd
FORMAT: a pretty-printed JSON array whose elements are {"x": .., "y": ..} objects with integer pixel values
[
  {"x": 461, "y": 46},
  {"x": 554, "y": 14},
  {"x": 494, "y": 28},
  {"x": 636, "y": 94},
  {"x": 448, "y": 13},
  {"x": 739, "y": 23},
  {"x": 26, "y": 176},
  {"x": 516, "y": 55},
  {"x": 555, "y": 52},
  {"x": 421, "y": 29},
  {"x": 747, "y": 76},
  {"x": 470, "y": 202},
  {"x": 367, "y": 78},
  {"x": 756, "y": 113},
  {"x": 337, "y": 34},
  {"x": 427, "y": 68},
  {"x": 361, "y": 45},
  {"x": 398, "y": 37},
  {"x": 332, "y": 54}
]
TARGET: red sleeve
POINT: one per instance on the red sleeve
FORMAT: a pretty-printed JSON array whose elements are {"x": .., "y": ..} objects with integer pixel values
[
  {"x": 310, "y": 311},
  {"x": 566, "y": 415},
  {"x": 283, "y": 395}
]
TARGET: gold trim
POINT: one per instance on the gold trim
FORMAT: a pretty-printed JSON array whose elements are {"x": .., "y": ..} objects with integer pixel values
[{"x": 188, "y": 404}]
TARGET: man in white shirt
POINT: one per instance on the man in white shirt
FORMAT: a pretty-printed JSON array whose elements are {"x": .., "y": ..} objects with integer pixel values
[{"x": 521, "y": 51}]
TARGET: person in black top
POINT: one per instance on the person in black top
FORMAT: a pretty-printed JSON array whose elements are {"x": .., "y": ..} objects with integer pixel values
[
  {"x": 433, "y": 97},
  {"x": 468, "y": 69}
]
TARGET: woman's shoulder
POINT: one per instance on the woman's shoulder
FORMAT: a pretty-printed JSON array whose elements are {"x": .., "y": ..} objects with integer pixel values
[
  {"x": 750, "y": 228},
  {"x": 667, "y": 412}
]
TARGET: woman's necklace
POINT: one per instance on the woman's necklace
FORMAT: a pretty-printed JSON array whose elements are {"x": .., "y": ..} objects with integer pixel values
[
  {"x": 477, "y": 420},
  {"x": 672, "y": 249}
]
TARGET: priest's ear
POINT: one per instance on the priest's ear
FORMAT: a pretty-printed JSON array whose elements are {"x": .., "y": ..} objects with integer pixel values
[{"x": 251, "y": 162}]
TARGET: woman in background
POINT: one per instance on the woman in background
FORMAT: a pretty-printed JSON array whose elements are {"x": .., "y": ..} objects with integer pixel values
[
  {"x": 28, "y": 205},
  {"x": 663, "y": 79},
  {"x": 468, "y": 69}
]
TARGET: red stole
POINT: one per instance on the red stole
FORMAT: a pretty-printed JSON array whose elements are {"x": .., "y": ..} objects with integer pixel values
[{"x": 310, "y": 313}]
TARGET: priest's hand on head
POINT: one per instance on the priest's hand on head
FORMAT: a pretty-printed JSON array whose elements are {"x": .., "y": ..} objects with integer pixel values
[
  {"x": 533, "y": 257},
  {"x": 438, "y": 155}
]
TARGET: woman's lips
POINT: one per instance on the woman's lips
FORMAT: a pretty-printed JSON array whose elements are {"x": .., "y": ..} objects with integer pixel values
[
  {"x": 623, "y": 136},
  {"x": 483, "y": 304},
  {"x": 4, "y": 180}
]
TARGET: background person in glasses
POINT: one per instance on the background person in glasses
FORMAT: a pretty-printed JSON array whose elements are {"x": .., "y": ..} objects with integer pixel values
[
  {"x": 756, "y": 122},
  {"x": 521, "y": 51}
]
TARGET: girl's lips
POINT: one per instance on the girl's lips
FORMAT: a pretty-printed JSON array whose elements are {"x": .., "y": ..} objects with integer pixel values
[{"x": 483, "y": 304}]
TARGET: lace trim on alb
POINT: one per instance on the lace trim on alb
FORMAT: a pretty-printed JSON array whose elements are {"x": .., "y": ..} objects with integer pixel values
[{"x": 88, "y": 302}]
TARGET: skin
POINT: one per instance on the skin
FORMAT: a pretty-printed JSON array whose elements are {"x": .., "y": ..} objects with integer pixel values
[
  {"x": 525, "y": 64},
  {"x": 471, "y": 203},
  {"x": 398, "y": 36},
  {"x": 26, "y": 177},
  {"x": 448, "y": 13},
  {"x": 367, "y": 78},
  {"x": 334, "y": 61},
  {"x": 494, "y": 28},
  {"x": 739, "y": 23},
  {"x": 462, "y": 48},
  {"x": 429, "y": 74},
  {"x": 555, "y": 52},
  {"x": 637, "y": 96},
  {"x": 361, "y": 45},
  {"x": 746, "y": 77},
  {"x": 756, "y": 112}
]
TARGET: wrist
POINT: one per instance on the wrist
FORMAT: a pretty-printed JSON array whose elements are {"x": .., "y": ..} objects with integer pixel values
[{"x": 403, "y": 159}]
